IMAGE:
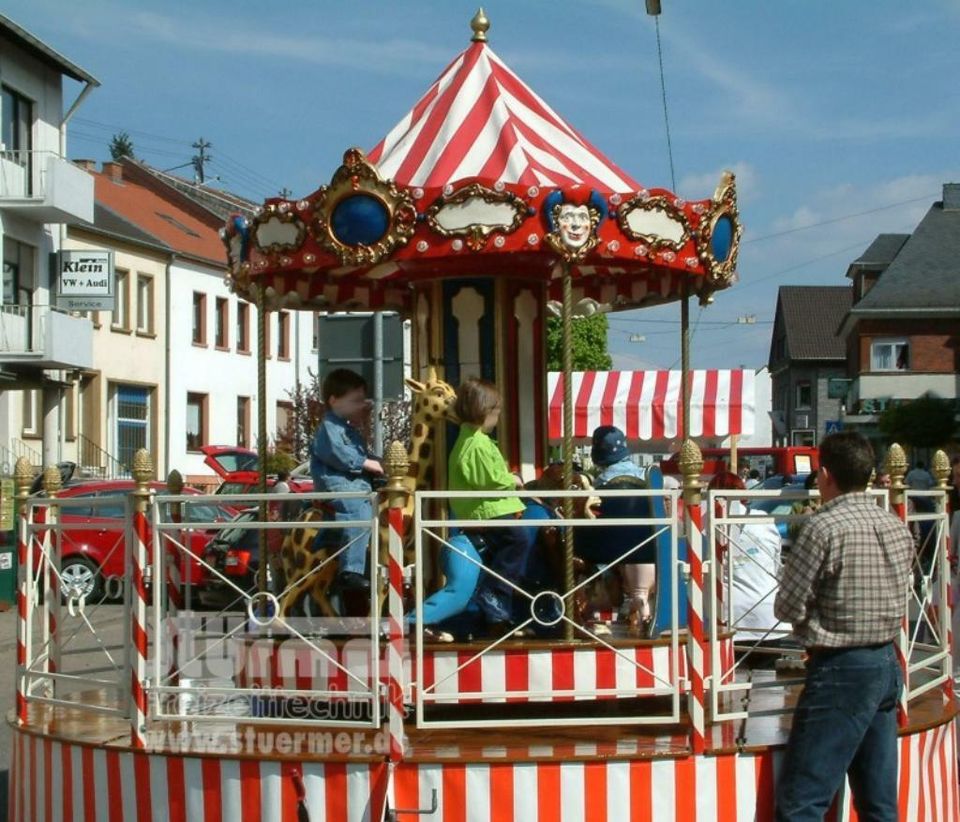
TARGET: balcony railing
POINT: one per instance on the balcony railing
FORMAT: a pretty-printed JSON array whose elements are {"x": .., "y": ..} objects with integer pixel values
[
  {"x": 45, "y": 186},
  {"x": 46, "y": 336}
]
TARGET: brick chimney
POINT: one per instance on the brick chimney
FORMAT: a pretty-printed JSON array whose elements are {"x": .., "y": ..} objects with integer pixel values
[
  {"x": 113, "y": 171},
  {"x": 86, "y": 165},
  {"x": 951, "y": 196}
]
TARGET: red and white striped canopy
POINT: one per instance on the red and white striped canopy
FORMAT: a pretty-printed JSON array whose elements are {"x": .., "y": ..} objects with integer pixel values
[
  {"x": 647, "y": 405},
  {"x": 479, "y": 119}
]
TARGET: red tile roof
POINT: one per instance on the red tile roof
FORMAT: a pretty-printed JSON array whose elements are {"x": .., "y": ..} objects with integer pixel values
[{"x": 162, "y": 216}]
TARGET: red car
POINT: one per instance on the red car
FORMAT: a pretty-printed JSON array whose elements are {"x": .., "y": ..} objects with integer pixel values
[
  {"x": 239, "y": 468},
  {"x": 92, "y": 545}
]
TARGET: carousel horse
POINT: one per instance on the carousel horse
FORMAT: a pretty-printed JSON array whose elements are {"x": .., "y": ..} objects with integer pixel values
[{"x": 433, "y": 402}]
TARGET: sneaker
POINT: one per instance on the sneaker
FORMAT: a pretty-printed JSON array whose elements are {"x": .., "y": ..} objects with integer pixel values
[
  {"x": 436, "y": 635},
  {"x": 351, "y": 581}
]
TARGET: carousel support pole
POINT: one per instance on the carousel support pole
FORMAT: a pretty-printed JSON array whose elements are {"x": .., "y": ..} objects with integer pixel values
[
  {"x": 262, "y": 441},
  {"x": 396, "y": 463},
  {"x": 175, "y": 487},
  {"x": 52, "y": 483},
  {"x": 567, "y": 331},
  {"x": 691, "y": 464},
  {"x": 685, "y": 359},
  {"x": 142, "y": 473},
  {"x": 896, "y": 465},
  {"x": 941, "y": 471},
  {"x": 22, "y": 477}
]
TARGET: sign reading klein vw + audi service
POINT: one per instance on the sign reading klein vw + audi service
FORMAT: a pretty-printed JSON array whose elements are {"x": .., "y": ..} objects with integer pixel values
[{"x": 85, "y": 281}]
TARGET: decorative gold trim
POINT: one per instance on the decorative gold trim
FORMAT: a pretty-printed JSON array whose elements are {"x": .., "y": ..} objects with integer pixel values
[
  {"x": 287, "y": 215},
  {"x": 476, "y": 234},
  {"x": 642, "y": 202},
  {"x": 721, "y": 274},
  {"x": 357, "y": 176}
]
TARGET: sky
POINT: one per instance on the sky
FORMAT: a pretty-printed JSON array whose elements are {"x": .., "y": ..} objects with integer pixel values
[{"x": 841, "y": 120}]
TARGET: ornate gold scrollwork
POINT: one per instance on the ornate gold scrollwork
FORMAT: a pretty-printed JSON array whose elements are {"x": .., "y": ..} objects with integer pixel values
[
  {"x": 286, "y": 217},
  {"x": 357, "y": 178},
  {"x": 476, "y": 233},
  {"x": 721, "y": 273},
  {"x": 641, "y": 204}
]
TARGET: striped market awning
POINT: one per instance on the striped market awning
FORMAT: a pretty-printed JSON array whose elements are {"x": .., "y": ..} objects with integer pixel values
[{"x": 647, "y": 405}]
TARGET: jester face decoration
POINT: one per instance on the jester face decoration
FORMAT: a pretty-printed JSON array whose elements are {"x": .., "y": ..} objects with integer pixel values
[{"x": 572, "y": 218}]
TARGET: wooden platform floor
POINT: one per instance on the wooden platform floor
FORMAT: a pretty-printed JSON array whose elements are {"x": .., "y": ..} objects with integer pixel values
[{"x": 764, "y": 727}]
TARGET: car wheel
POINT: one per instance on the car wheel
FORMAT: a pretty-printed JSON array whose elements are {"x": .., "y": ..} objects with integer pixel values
[{"x": 80, "y": 577}]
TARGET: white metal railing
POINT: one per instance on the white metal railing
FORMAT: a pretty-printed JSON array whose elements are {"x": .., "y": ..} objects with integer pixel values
[
  {"x": 23, "y": 173},
  {"x": 735, "y": 553},
  {"x": 249, "y": 660},
  {"x": 67, "y": 586},
  {"x": 929, "y": 652},
  {"x": 445, "y": 687}
]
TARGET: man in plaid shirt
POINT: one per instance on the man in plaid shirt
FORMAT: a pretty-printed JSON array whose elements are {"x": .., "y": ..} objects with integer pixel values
[{"x": 844, "y": 587}]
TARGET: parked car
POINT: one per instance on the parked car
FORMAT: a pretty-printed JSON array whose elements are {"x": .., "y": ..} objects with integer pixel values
[
  {"x": 92, "y": 544},
  {"x": 239, "y": 470}
]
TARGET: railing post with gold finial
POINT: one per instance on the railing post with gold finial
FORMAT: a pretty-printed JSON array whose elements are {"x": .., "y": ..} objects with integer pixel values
[
  {"x": 142, "y": 474},
  {"x": 940, "y": 468},
  {"x": 396, "y": 463},
  {"x": 23, "y": 478},
  {"x": 52, "y": 484},
  {"x": 896, "y": 465},
  {"x": 691, "y": 464}
]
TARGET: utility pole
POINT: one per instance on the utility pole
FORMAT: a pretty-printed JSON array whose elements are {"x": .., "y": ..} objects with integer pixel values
[{"x": 200, "y": 158}]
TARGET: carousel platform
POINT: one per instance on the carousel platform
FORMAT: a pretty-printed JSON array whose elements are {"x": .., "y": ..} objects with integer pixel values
[{"x": 73, "y": 763}]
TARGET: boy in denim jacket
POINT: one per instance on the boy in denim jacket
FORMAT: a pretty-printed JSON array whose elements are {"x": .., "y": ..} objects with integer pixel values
[{"x": 339, "y": 462}]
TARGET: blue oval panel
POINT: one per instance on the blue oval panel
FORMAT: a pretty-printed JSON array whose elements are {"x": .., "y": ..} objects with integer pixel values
[
  {"x": 359, "y": 220},
  {"x": 721, "y": 242}
]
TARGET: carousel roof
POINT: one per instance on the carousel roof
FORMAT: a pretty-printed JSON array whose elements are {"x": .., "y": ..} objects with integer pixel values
[
  {"x": 479, "y": 119},
  {"x": 483, "y": 178}
]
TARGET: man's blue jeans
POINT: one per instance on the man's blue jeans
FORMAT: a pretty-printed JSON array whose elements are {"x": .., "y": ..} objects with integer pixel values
[{"x": 845, "y": 723}]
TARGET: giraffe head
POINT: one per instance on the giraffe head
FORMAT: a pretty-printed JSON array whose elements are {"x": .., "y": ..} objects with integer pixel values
[{"x": 433, "y": 399}]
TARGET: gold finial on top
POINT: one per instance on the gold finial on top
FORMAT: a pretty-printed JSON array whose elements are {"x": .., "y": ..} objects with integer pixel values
[
  {"x": 52, "y": 481},
  {"x": 691, "y": 465},
  {"x": 175, "y": 482},
  {"x": 23, "y": 475},
  {"x": 940, "y": 468},
  {"x": 142, "y": 468},
  {"x": 480, "y": 25},
  {"x": 896, "y": 465}
]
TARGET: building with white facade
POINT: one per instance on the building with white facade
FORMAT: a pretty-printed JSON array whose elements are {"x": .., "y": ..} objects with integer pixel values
[{"x": 41, "y": 348}]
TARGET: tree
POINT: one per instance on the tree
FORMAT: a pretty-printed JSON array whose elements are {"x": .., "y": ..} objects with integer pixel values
[
  {"x": 926, "y": 422},
  {"x": 308, "y": 411},
  {"x": 121, "y": 146},
  {"x": 589, "y": 344}
]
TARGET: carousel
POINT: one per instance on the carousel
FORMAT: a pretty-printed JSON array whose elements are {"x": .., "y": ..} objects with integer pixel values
[{"x": 480, "y": 214}]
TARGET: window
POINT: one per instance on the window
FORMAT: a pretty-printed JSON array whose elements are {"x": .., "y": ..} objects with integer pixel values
[
  {"x": 804, "y": 394},
  {"x": 121, "y": 312},
  {"x": 144, "y": 304},
  {"x": 284, "y": 417},
  {"x": 31, "y": 412},
  {"x": 18, "y": 272},
  {"x": 283, "y": 335},
  {"x": 16, "y": 135},
  {"x": 315, "y": 345},
  {"x": 221, "y": 332},
  {"x": 199, "y": 318},
  {"x": 132, "y": 409},
  {"x": 196, "y": 421},
  {"x": 243, "y": 422},
  {"x": 70, "y": 411},
  {"x": 890, "y": 355},
  {"x": 243, "y": 328},
  {"x": 805, "y": 436}
]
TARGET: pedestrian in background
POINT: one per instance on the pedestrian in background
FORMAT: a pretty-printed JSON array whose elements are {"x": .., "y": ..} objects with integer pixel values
[{"x": 844, "y": 588}]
